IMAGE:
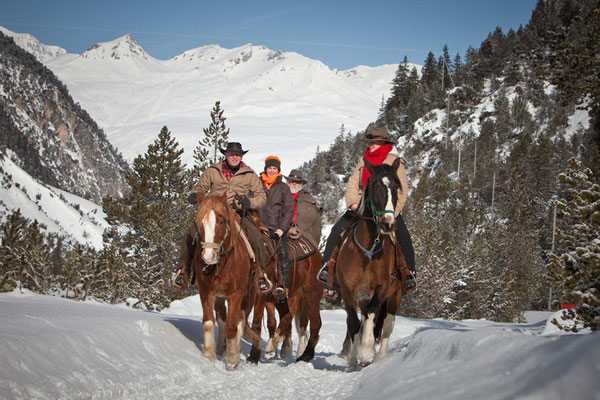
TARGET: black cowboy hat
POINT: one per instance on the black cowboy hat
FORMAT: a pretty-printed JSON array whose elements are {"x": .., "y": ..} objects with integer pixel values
[
  {"x": 297, "y": 176},
  {"x": 376, "y": 134},
  {"x": 233, "y": 147}
]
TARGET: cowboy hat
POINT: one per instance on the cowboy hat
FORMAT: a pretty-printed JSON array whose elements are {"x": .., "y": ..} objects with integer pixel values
[
  {"x": 297, "y": 176},
  {"x": 233, "y": 147},
  {"x": 376, "y": 134}
]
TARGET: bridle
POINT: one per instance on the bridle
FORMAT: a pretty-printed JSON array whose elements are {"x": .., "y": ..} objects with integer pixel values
[
  {"x": 377, "y": 243},
  {"x": 218, "y": 247}
]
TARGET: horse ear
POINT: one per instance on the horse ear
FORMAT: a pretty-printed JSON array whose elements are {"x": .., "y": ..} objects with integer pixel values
[{"x": 368, "y": 165}]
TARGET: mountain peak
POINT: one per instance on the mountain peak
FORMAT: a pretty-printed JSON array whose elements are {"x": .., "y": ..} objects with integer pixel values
[
  {"x": 41, "y": 51},
  {"x": 122, "y": 48}
]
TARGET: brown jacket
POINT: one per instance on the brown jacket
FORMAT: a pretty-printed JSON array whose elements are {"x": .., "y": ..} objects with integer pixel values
[
  {"x": 244, "y": 182},
  {"x": 308, "y": 216},
  {"x": 354, "y": 188}
]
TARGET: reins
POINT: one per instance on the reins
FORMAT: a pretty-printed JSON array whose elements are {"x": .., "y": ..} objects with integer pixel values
[{"x": 221, "y": 252}]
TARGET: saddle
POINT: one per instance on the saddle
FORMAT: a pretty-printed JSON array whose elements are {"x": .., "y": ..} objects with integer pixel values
[{"x": 299, "y": 247}]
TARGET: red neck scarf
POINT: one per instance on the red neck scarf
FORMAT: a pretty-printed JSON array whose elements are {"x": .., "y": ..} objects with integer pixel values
[
  {"x": 375, "y": 157},
  {"x": 295, "y": 196}
]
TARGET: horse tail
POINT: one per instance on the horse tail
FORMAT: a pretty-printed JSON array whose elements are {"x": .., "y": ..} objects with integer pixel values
[{"x": 251, "y": 335}]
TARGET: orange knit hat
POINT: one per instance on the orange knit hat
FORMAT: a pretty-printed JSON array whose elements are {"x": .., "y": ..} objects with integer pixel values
[{"x": 273, "y": 161}]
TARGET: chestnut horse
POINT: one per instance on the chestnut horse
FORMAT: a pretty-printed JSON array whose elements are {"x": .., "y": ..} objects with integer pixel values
[
  {"x": 223, "y": 271},
  {"x": 304, "y": 296},
  {"x": 370, "y": 270}
]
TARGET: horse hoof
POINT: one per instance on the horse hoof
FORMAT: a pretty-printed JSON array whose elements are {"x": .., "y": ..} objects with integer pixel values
[
  {"x": 270, "y": 354},
  {"x": 304, "y": 358},
  {"x": 253, "y": 357},
  {"x": 231, "y": 367}
]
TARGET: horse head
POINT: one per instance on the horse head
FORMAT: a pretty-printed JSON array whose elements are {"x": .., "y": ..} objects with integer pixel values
[
  {"x": 381, "y": 194},
  {"x": 212, "y": 221}
]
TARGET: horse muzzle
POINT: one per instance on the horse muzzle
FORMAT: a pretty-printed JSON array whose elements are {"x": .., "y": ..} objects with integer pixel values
[{"x": 386, "y": 223}]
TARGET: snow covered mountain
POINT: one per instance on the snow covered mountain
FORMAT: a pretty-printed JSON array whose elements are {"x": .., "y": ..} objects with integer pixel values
[
  {"x": 275, "y": 102},
  {"x": 28, "y": 42}
]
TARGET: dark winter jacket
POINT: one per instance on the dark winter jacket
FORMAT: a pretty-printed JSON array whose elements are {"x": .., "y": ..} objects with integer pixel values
[
  {"x": 279, "y": 210},
  {"x": 308, "y": 216}
]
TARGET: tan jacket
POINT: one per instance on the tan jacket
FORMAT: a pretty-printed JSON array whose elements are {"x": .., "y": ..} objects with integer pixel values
[
  {"x": 244, "y": 182},
  {"x": 354, "y": 188}
]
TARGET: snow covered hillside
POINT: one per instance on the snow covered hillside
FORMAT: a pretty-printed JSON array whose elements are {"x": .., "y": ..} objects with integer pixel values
[
  {"x": 57, "y": 348},
  {"x": 275, "y": 102},
  {"x": 61, "y": 212}
]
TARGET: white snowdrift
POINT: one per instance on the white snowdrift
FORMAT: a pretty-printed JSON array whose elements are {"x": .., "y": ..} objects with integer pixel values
[{"x": 57, "y": 348}]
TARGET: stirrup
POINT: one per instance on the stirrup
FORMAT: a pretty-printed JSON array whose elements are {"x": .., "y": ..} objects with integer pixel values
[
  {"x": 331, "y": 295},
  {"x": 178, "y": 281},
  {"x": 264, "y": 285},
  {"x": 322, "y": 276},
  {"x": 280, "y": 293}
]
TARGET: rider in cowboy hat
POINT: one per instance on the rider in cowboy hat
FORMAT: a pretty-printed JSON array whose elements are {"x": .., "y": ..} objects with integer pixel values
[
  {"x": 238, "y": 180},
  {"x": 379, "y": 150},
  {"x": 307, "y": 212}
]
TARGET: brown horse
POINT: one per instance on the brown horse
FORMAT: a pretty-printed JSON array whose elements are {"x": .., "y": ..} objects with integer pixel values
[
  {"x": 223, "y": 271},
  {"x": 368, "y": 269},
  {"x": 303, "y": 301}
]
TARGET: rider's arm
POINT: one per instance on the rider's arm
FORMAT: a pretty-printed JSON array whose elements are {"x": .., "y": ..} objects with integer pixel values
[
  {"x": 256, "y": 193},
  {"x": 353, "y": 189},
  {"x": 403, "y": 190}
]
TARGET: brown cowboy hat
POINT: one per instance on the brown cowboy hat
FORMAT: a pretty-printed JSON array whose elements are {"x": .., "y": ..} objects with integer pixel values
[
  {"x": 296, "y": 176},
  {"x": 377, "y": 134},
  {"x": 233, "y": 147}
]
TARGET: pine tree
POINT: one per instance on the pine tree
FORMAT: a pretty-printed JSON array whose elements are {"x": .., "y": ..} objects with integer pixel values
[
  {"x": 147, "y": 223},
  {"x": 207, "y": 151},
  {"x": 575, "y": 265},
  {"x": 11, "y": 250}
]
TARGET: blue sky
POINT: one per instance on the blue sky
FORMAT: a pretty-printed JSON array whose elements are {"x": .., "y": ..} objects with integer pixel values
[{"x": 341, "y": 34}]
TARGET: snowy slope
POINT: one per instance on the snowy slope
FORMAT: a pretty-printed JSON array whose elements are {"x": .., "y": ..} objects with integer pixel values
[
  {"x": 61, "y": 212},
  {"x": 275, "y": 102},
  {"x": 56, "y": 348}
]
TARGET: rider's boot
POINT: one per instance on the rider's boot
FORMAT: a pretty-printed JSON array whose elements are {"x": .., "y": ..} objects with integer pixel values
[{"x": 281, "y": 292}]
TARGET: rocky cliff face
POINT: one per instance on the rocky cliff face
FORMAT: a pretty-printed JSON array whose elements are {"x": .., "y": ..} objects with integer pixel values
[{"x": 51, "y": 136}]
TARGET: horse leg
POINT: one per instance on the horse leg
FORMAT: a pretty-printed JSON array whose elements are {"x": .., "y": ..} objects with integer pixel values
[
  {"x": 301, "y": 320},
  {"x": 287, "y": 346},
  {"x": 221, "y": 312},
  {"x": 271, "y": 319},
  {"x": 278, "y": 336},
  {"x": 259, "y": 307},
  {"x": 234, "y": 330},
  {"x": 366, "y": 349},
  {"x": 314, "y": 315},
  {"x": 347, "y": 346},
  {"x": 353, "y": 331},
  {"x": 208, "y": 326},
  {"x": 388, "y": 327}
]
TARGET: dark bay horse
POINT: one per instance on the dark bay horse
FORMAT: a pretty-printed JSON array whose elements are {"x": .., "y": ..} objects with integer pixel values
[
  {"x": 223, "y": 271},
  {"x": 303, "y": 302},
  {"x": 368, "y": 270}
]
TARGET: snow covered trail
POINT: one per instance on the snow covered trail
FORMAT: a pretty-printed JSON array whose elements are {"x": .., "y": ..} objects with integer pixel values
[{"x": 56, "y": 348}]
